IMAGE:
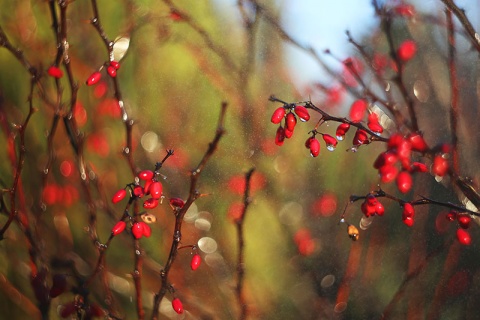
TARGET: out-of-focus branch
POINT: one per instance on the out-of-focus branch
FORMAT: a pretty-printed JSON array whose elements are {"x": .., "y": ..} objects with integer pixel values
[
  {"x": 460, "y": 14},
  {"x": 241, "y": 248}
]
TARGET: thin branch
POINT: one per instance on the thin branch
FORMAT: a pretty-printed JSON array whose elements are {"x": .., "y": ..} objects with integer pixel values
[
  {"x": 179, "y": 215},
  {"x": 241, "y": 248},
  {"x": 460, "y": 14}
]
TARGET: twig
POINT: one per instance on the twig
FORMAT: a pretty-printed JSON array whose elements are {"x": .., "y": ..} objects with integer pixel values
[
  {"x": 192, "y": 196},
  {"x": 460, "y": 14},
  {"x": 241, "y": 247}
]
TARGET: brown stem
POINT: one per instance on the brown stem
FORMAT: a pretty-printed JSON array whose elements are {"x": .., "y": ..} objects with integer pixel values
[
  {"x": 192, "y": 196},
  {"x": 460, "y": 14},
  {"x": 241, "y": 248}
]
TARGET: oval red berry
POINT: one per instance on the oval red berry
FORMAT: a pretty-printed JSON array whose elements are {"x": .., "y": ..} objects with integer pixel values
[
  {"x": 314, "y": 146},
  {"x": 278, "y": 115},
  {"x": 118, "y": 228},
  {"x": 55, "y": 72},
  {"x": 358, "y": 109},
  {"x": 155, "y": 190},
  {"x": 94, "y": 78},
  {"x": 150, "y": 203},
  {"x": 177, "y": 305},
  {"x": 302, "y": 113},
  {"x": 115, "y": 64},
  {"x": 195, "y": 263},
  {"x": 177, "y": 202},
  {"x": 147, "y": 231},
  {"x": 137, "y": 230},
  {"x": 112, "y": 72},
  {"x": 464, "y": 237},
  {"x": 145, "y": 175},
  {"x": 119, "y": 195}
]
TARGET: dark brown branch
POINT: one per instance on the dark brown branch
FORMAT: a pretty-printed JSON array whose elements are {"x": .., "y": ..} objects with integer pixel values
[
  {"x": 241, "y": 248},
  {"x": 460, "y": 14},
  {"x": 192, "y": 196}
]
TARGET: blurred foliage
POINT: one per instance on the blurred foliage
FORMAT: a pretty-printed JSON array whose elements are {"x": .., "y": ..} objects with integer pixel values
[{"x": 173, "y": 79}]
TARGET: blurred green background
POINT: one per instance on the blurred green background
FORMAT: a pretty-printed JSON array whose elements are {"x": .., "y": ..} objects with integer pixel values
[{"x": 184, "y": 58}]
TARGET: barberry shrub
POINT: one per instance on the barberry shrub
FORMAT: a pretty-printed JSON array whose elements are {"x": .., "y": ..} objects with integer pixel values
[{"x": 101, "y": 219}]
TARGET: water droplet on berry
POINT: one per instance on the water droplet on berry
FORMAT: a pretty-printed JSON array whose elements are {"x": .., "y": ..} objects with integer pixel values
[
  {"x": 365, "y": 222},
  {"x": 354, "y": 149},
  {"x": 330, "y": 147},
  {"x": 340, "y": 138}
]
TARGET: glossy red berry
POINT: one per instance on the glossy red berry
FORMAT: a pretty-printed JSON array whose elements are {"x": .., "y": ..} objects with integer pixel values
[
  {"x": 119, "y": 195},
  {"x": 342, "y": 129},
  {"x": 379, "y": 209},
  {"x": 155, "y": 190},
  {"x": 291, "y": 122},
  {"x": 150, "y": 203},
  {"x": 406, "y": 10},
  {"x": 137, "y": 230},
  {"x": 146, "y": 187},
  {"x": 115, "y": 64},
  {"x": 195, "y": 262},
  {"x": 386, "y": 158},
  {"x": 288, "y": 133},
  {"x": 112, "y": 72},
  {"x": 404, "y": 182},
  {"x": 408, "y": 221},
  {"x": 278, "y": 115},
  {"x": 374, "y": 124},
  {"x": 440, "y": 166},
  {"x": 280, "y": 136},
  {"x": 464, "y": 221},
  {"x": 408, "y": 210},
  {"x": 358, "y": 109},
  {"x": 302, "y": 113},
  {"x": 407, "y": 50},
  {"x": 314, "y": 147},
  {"x": 388, "y": 173},
  {"x": 138, "y": 191},
  {"x": 177, "y": 305},
  {"x": 361, "y": 137},
  {"x": 146, "y": 230},
  {"x": 118, "y": 228},
  {"x": 464, "y": 237},
  {"x": 177, "y": 202},
  {"x": 452, "y": 215},
  {"x": 417, "y": 142},
  {"x": 94, "y": 78},
  {"x": 330, "y": 141},
  {"x": 55, "y": 72},
  {"x": 146, "y": 175}
]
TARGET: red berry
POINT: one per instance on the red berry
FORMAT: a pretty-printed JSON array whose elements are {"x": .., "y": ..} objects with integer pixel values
[
  {"x": 417, "y": 142},
  {"x": 464, "y": 237},
  {"x": 195, "y": 263},
  {"x": 112, "y": 72},
  {"x": 408, "y": 221},
  {"x": 137, "y": 230},
  {"x": 440, "y": 166},
  {"x": 408, "y": 211},
  {"x": 452, "y": 215},
  {"x": 177, "y": 305},
  {"x": 407, "y": 50},
  {"x": 374, "y": 124},
  {"x": 94, "y": 78},
  {"x": 146, "y": 231},
  {"x": 156, "y": 189},
  {"x": 146, "y": 175},
  {"x": 55, "y": 72},
  {"x": 150, "y": 203},
  {"x": 394, "y": 141},
  {"x": 358, "y": 109},
  {"x": 464, "y": 221},
  {"x": 371, "y": 200},
  {"x": 330, "y": 141},
  {"x": 118, "y": 228},
  {"x": 119, "y": 195},
  {"x": 138, "y": 191},
  {"x": 314, "y": 147},
  {"x": 280, "y": 136},
  {"x": 278, "y": 115},
  {"x": 342, "y": 129},
  {"x": 361, "y": 137},
  {"x": 388, "y": 173},
  {"x": 115, "y": 64},
  {"x": 302, "y": 113},
  {"x": 146, "y": 188},
  {"x": 379, "y": 209},
  {"x": 177, "y": 202},
  {"x": 288, "y": 133},
  {"x": 291, "y": 122},
  {"x": 386, "y": 158},
  {"x": 404, "y": 182}
]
